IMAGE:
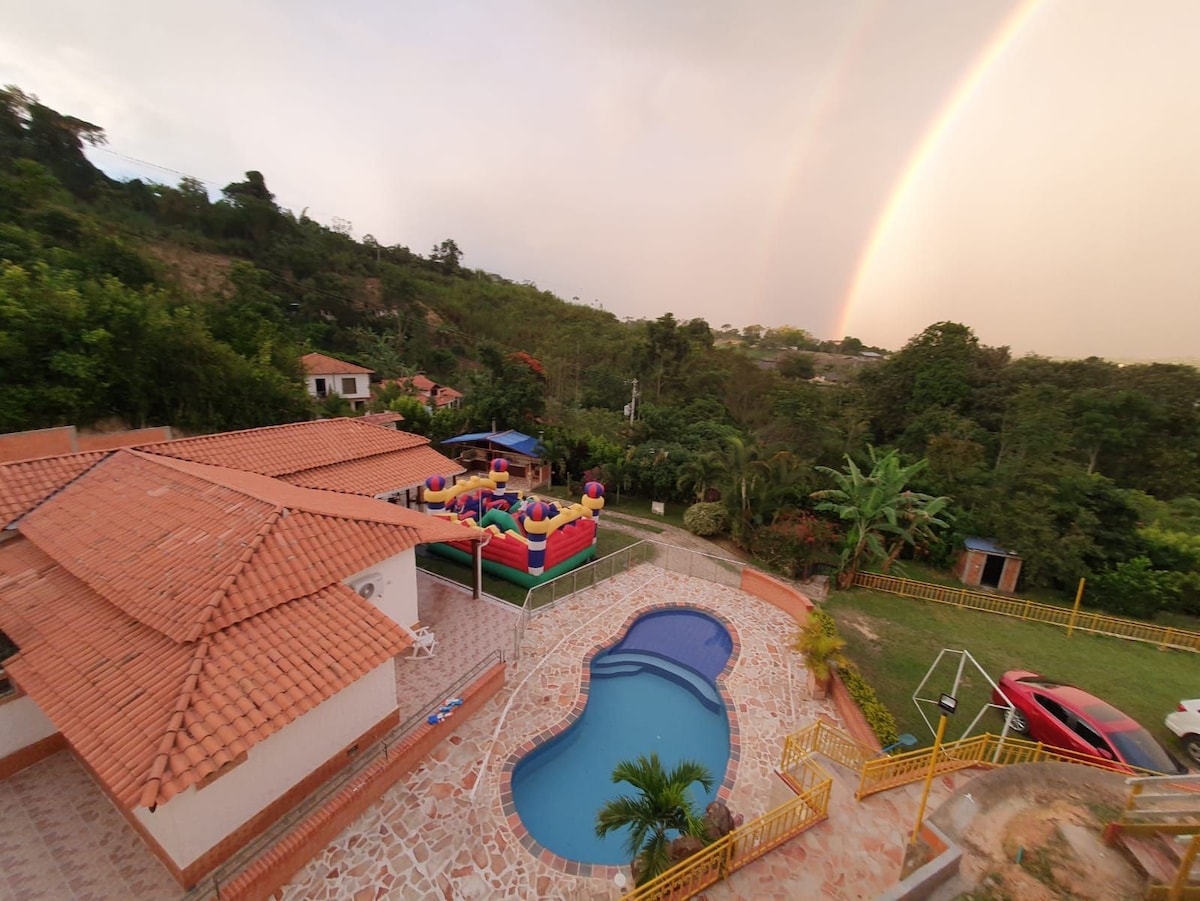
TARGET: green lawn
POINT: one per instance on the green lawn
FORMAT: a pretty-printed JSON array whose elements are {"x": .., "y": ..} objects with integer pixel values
[
  {"x": 906, "y": 636},
  {"x": 640, "y": 506},
  {"x": 608, "y": 541}
]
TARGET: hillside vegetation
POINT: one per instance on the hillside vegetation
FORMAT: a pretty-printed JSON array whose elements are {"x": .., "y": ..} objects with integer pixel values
[{"x": 155, "y": 304}]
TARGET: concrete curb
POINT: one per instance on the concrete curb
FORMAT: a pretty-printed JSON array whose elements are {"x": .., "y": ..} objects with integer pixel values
[{"x": 920, "y": 883}]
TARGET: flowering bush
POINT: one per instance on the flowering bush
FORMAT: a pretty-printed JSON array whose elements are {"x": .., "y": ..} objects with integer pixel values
[{"x": 794, "y": 543}]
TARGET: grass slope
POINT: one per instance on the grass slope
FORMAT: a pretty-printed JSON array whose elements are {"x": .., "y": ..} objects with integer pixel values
[{"x": 895, "y": 640}]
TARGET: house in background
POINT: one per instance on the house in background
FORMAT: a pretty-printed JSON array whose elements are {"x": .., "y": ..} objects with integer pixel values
[
  {"x": 210, "y": 641},
  {"x": 325, "y": 375},
  {"x": 434, "y": 396}
]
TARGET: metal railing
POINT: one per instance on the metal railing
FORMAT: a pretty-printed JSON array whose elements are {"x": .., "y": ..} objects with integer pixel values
[
  {"x": 986, "y": 750},
  {"x": 822, "y": 738},
  {"x": 210, "y": 886},
  {"x": 721, "y": 570},
  {"x": 748, "y": 842},
  {"x": 1033, "y": 611}
]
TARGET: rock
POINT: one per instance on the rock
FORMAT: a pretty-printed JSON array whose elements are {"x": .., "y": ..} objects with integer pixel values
[
  {"x": 718, "y": 821},
  {"x": 636, "y": 868},
  {"x": 684, "y": 846}
]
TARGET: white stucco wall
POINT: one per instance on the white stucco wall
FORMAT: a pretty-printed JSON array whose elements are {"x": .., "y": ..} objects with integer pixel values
[
  {"x": 21, "y": 724},
  {"x": 395, "y": 582},
  {"x": 196, "y": 820},
  {"x": 333, "y": 385}
]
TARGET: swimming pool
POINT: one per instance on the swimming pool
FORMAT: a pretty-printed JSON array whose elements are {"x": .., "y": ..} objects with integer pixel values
[{"x": 654, "y": 690}]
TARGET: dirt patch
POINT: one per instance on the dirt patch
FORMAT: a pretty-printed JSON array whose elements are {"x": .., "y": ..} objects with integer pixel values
[
  {"x": 198, "y": 273},
  {"x": 1044, "y": 845},
  {"x": 859, "y": 624}
]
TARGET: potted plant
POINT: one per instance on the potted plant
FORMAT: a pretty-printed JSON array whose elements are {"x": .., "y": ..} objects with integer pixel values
[{"x": 822, "y": 653}]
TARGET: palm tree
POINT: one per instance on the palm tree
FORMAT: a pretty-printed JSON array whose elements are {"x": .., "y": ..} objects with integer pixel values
[
  {"x": 333, "y": 406},
  {"x": 878, "y": 507},
  {"x": 661, "y": 806},
  {"x": 619, "y": 471},
  {"x": 822, "y": 654},
  {"x": 698, "y": 475}
]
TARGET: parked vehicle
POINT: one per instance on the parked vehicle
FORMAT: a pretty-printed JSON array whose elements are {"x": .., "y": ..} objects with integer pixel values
[
  {"x": 1069, "y": 718},
  {"x": 1185, "y": 722}
]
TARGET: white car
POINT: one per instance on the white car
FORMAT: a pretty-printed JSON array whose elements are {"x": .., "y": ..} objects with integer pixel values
[{"x": 1185, "y": 722}]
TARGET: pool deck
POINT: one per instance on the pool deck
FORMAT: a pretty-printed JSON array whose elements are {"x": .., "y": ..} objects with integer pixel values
[{"x": 442, "y": 833}]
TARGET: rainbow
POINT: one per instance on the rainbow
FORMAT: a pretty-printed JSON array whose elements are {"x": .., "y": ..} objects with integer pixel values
[
  {"x": 828, "y": 94},
  {"x": 919, "y": 159}
]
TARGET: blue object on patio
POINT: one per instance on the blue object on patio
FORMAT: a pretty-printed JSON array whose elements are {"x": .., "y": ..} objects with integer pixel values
[{"x": 904, "y": 741}]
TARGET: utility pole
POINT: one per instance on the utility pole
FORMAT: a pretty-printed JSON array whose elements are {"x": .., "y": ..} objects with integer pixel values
[{"x": 633, "y": 402}]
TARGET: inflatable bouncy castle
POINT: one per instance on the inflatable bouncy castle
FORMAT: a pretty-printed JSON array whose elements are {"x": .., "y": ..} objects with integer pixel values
[{"x": 529, "y": 541}]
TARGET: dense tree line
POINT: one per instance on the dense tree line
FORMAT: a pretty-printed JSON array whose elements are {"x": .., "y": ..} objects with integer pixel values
[{"x": 162, "y": 304}]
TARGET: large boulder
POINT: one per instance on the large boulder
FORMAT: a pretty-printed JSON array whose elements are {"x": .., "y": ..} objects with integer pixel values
[{"x": 718, "y": 820}]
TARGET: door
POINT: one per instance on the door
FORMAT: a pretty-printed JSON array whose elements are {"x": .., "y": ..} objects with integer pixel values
[{"x": 992, "y": 570}]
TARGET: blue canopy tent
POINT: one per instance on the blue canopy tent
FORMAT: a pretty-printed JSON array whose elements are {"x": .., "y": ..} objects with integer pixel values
[{"x": 523, "y": 453}]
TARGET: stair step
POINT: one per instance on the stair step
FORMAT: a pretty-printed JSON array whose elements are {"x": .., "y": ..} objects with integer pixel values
[{"x": 1150, "y": 856}]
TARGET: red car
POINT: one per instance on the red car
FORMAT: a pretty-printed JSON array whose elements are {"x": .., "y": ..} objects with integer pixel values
[{"x": 1067, "y": 717}]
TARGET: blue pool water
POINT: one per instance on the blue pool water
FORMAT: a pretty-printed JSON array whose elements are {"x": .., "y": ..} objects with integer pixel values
[{"x": 652, "y": 691}]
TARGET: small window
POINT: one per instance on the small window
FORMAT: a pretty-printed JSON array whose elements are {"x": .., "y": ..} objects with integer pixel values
[
  {"x": 1054, "y": 708},
  {"x": 319, "y": 387},
  {"x": 349, "y": 386},
  {"x": 1091, "y": 736},
  {"x": 7, "y": 648}
]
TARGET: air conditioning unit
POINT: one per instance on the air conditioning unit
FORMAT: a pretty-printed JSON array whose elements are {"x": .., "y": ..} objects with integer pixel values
[{"x": 368, "y": 586}]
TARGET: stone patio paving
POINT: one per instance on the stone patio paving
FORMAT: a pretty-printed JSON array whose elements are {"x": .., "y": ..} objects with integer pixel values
[{"x": 441, "y": 834}]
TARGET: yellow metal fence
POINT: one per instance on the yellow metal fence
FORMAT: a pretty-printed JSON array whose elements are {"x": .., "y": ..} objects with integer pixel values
[
  {"x": 988, "y": 750},
  {"x": 1034, "y": 611},
  {"x": 748, "y": 842},
  {"x": 825, "y": 739},
  {"x": 879, "y": 772}
]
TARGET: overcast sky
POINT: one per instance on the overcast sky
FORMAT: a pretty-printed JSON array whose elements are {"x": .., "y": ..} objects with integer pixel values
[{"x": 847, "y": 167}]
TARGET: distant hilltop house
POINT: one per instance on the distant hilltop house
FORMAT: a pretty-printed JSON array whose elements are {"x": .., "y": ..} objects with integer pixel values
[
  {"x": 210, "y": 624},
  {"x": 432, "y": 396},
  {"x": 325, "y": 375}
]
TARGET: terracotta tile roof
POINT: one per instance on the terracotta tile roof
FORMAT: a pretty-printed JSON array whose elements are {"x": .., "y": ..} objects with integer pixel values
[
  {"x": 376, "y": 475},
  {"x": 170, "y": 614},
  {"x": 188, "y": 549},
  {"x": 152, "y": 716},
  {"x": 319, "y": 364},
  {"x": 425, "y": 387},
  {"x": 386, "y": 418},
  {"x": 26, "y": 483},
  {"x": 276, "y": 450}
]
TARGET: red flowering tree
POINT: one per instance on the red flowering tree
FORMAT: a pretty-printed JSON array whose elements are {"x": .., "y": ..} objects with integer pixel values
[{"x": 795, "y": 543}]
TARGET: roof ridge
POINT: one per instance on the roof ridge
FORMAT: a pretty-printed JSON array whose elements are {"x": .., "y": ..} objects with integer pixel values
[
  {"x": 379, "y": 453},
  {"x": 106, "y": 456},
  {"x": 151, "y": 790},
  {"x": 221, "y": 592}
]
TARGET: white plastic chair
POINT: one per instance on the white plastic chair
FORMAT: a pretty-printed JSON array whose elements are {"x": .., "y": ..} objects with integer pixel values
[{"x": 423, "y": 641}]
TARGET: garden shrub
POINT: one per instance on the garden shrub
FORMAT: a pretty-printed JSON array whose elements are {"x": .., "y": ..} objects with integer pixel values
[
  {"x": 878, "y": 716},
  {"x": 794, "y": 543},
  {"x": 1133, "y": 588},
  {"x": 706, "y": 519}
]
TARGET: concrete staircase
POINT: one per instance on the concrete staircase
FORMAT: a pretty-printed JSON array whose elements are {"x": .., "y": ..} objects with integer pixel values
[{"x": 1159, "y": 830}]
